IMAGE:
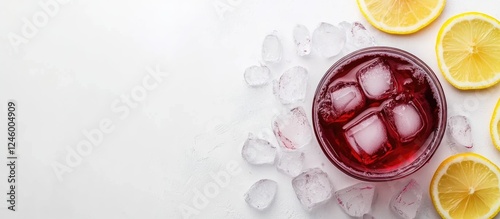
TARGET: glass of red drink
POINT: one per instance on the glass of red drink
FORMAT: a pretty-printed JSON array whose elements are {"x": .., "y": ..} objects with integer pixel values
[{"x": 379, "y": 114}]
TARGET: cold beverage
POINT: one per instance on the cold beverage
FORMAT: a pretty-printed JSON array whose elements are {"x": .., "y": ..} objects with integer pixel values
[{"x": 379, "y": 113}]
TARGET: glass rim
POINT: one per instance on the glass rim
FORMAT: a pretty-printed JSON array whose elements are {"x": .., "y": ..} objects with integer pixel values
[{"x": 432, "y": 142}]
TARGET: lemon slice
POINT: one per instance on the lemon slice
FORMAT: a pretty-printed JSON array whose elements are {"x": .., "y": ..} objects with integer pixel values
[
  {"x": 468, "y": 50},
  {"x": 466, "y": 186},
  {"x": 400, "y": 16},
  {"x": 495, "y": 126}
]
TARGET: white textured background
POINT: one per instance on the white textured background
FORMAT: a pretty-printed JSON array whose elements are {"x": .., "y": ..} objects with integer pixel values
[{"x": 68, "y": 75}]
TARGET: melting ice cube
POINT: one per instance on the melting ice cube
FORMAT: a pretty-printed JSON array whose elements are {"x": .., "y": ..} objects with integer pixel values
[
  {"x": 257, "y": 75},
  {"x": 292, "y": 85},
  {"x": 407, "y": 121},
  {"x": 261, "y": 194},
  {"x": 328, "y": 40},
  {"x": 290, "y": 162},
  {"x": 376, "y": 80},
  {"x": 406, "y": 202},
  {"x": 326, "y": 111},
  {"x": 271, "y": 48},
  {"x": 292, "y": 129},
  {"x": 258, "y": 151},
  {"x": 356, "y": 200},
  {"x": 346, "y": 97},
  {"x": 312, "y": 188},
  {"x": 368, "y": 136},
  {"x": 342, "y": 99},
  {"x": 302, "y": 39},
  {"x": 459, "y": 133}
]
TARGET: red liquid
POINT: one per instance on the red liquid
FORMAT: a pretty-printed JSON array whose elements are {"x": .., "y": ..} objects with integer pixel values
[{"x": 377, "y": 122}]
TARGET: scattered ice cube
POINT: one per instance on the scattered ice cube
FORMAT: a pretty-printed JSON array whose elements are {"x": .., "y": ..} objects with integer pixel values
[
  {"x": 271, "y": 48},
  {"x": 292, "y": 130},
  {"x": 427, "y": 209},
  {"x": 268, "y": 135},
  {"x": 346, "y": 97},
  {"x": 258, "y": 151},
  {"x": 302, "y": 39},
  {"x": 261, "y": 194},
  {"x": 367, "y": 137},
  {"x": 345, "y": 26},
  {"x": 406, "y": 202},
  {"x": 328, "y": 40},
  {"x": 407, "y": 120},
  {"x": 376, "y": 80},
  {"x": 292, "y": 85},
  {"x": 312, "y": 188},
  {"x": 359, "y": 36},
  {"x": 459, "y": 133},
  {"x": 256, "y": 76},
  {"x": 357, "y": 199},
  {"x": 290, "y": 162}
]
